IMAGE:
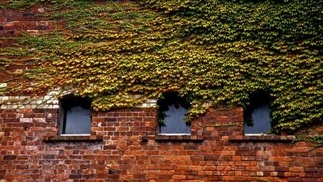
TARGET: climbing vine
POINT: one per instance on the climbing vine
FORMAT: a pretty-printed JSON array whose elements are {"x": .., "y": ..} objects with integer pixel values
[
  {"x": 317, "y": 140},
  {"x": 210, "y": 51}
]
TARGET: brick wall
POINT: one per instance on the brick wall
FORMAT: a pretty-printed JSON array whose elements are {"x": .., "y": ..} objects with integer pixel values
[
  {"x": 124, "y": 146},
  {"x": 13, "y": 23}
]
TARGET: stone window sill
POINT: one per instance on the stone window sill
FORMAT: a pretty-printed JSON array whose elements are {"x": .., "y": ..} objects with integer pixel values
[
  {"x": 178, "y": 138},
  {"x": 262, "y": 138},
  {"x": 73, "y": 138}
]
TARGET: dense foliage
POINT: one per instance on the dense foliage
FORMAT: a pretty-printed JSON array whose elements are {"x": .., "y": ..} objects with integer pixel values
[{"x": 217, "y": 51}]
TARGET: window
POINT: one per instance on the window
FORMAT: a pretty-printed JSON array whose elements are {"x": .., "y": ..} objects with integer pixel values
[
  {"x": 75, "y": 115},
  {"x": 172, "y": 110},
  {"x": 257, "y": 114}
]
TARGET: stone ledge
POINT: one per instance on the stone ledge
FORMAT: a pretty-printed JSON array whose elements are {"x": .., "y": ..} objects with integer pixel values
[
  {"x": 263, "y": 138},
  {"x": 73, "y": 139},
  {"x": 178, "y": 138}
]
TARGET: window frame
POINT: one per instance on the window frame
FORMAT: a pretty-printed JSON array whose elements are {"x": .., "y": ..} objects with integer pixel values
[
  {"x": 172, "y": 99},
  {"x": 80, "y": 102},
  {"x": 257, "y": 100}
]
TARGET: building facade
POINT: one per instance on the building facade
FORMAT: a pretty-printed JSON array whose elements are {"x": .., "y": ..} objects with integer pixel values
[{"x": 128, "y": 145}]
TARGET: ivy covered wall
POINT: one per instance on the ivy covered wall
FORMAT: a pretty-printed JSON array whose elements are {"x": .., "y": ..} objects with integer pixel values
[{"x": 219, "y": 51}]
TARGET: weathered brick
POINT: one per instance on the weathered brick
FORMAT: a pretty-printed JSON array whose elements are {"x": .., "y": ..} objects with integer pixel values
[
  {"x": 122, "y": 155},
  {"x": 9, "y": 157}
]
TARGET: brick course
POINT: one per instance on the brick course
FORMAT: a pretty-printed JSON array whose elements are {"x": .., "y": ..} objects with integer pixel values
[{"x": 127, "y": 148}]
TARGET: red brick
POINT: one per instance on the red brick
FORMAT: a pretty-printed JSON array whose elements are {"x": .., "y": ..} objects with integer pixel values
[{"x": 123, "y": 156}]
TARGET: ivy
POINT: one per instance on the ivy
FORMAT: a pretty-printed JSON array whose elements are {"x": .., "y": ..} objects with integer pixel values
[
  {"x": 317, "y": 140},
  {"x": 216, "y": 51}
]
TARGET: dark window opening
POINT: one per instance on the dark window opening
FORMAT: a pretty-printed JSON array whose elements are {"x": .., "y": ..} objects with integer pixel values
[
  {"x": 172, "y": 110},
  {"x": 75, "y": 115},
  {"x": 257, "y": 114}
]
